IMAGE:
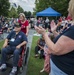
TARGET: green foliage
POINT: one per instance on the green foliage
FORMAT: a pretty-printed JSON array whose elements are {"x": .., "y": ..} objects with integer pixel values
[
  {"x": 27, "y": 13},
  {"x": 1, "y": 44},
  {"x": 20, "y": 10},
  {"x": 13, "y": 13},
  {"x": 41, "y": 5},
  {"x": 4, "y": 7},
  {"x": 59, "y": 5}
]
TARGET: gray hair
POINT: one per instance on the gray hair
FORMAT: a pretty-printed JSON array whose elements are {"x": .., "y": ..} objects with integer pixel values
[{"x": 71, "y": 8}]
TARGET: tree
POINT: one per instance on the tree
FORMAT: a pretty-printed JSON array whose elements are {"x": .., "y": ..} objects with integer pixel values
[
  {"x": 20, "y": 10},
  {"x": 4, "y": 7},
  {"x": 41, "y": 5},
  {"x": 29, "y": 14},
  {"x": 13, "y": 13},
  {"x": 25, "y": 13},
  {"x": 59, "y": 5}
]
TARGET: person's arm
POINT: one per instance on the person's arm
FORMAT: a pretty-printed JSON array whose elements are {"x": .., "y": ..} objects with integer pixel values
[
  {"x": 27, "y": 30},
  {"x": 55, "y": 33},
  {"x": 39, "y": 45},
  {"x": 64, "y": 44},
  {"x": 5, "y": 43},
  {"x": 22, "y": 44}
]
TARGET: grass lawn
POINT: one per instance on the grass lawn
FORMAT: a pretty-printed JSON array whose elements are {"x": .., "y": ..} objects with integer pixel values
[
  {"x": 35, "y": 64},
  {"x": 1, "y": 44}
]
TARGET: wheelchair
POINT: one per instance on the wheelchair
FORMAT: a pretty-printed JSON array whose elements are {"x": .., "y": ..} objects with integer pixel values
[{"x": 22, "y": 59}]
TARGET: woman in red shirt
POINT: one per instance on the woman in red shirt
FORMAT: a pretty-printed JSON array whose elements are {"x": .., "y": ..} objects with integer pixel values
[{"x": 24, "y": 23}]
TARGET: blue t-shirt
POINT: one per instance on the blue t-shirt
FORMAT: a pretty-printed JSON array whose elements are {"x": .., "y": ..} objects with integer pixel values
[
  {"x": 65, "y": 62},
  {"x": 15, "y": 40}
]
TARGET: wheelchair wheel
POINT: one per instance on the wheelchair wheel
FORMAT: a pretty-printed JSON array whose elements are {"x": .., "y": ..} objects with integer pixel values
[
  {"x": 20, "y": 70},
  {"x": 26, "y": 55},
  {"x": 0, "y": 51}
]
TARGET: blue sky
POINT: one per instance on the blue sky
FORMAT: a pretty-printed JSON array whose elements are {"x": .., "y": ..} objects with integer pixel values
[{"x": 27, "y": 5}]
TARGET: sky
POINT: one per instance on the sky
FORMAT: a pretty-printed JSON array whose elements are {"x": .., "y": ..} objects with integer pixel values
[{"x": 27, "y": 5}]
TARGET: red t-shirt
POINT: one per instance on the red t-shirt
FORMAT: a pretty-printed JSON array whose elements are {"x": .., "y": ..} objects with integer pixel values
[
  {"x": 24, "y": 25},
  {"x": 60, "y": 20},
  {"x": 68, "y": 18}
]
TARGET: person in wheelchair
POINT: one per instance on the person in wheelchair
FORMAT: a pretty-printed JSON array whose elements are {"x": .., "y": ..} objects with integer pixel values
[{"x": 13, "y": 44}]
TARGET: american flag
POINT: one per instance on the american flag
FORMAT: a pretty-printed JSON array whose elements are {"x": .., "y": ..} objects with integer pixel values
[{"x": 14, "y": 4}]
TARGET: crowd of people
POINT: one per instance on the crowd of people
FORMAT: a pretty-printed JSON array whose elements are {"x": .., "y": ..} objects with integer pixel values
[
  {"x": 56, "y": 44},
  {"x": 62, "y": 46},
  {"x": 7, "y": 24},
  {"x": 54, "y": 29}
]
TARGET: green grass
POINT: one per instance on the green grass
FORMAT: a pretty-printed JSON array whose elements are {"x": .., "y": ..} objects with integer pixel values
[
  {"x": 1, "y": 44},
  {"x": 35, "y": 64}
]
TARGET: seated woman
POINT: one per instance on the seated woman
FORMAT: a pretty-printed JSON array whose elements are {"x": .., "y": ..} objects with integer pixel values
[{"x": 40, "y": 47}]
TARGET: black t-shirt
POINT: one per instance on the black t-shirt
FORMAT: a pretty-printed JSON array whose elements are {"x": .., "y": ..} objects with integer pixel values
[
  {"x": 41, "y": 42},
  {"x": 65, "y": 62}
]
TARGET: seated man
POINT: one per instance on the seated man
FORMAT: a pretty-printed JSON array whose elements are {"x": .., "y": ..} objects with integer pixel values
[{"x": 16, "y": 40}]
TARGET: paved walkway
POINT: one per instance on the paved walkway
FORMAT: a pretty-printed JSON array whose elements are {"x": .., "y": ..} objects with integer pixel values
[{"x": 30, "y": 37}]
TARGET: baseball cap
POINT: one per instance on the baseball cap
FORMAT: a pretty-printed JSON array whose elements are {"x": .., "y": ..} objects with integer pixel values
[{"x": 17, "y": 25}]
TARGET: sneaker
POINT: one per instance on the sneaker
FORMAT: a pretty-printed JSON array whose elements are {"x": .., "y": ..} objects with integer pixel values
[
  {"x": 36, "y": 55},
  {"x": 3, "y": 67},
  {"x": 42, "y": 70},
  {"x": 14, "y": 71}
]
